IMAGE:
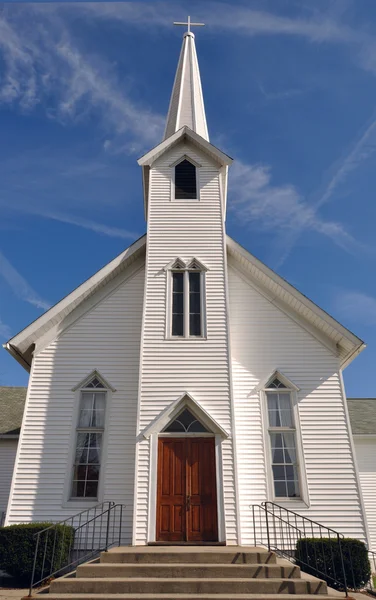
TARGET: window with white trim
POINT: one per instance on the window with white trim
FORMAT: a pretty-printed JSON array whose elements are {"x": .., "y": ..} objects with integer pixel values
[
  {"x": 89, "y": 440},
  {"x": 187, "y": 299},
  {"x": 282, "y": 440}
]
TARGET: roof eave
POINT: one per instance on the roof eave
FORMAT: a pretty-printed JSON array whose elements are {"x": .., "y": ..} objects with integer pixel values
[
  {"x": 354, "y": 344},
  {"x": 13, "y": 351},
  {"x": 150, "y": 157},
  {"x": 16, "y": 346}
]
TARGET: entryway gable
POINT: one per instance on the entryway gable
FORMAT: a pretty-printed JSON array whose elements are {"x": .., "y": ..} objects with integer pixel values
[{"x": 169, "y": 414}]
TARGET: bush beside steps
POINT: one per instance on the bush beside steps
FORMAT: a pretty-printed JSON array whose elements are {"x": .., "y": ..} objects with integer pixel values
[
  {"x": 321, "y": 557},
  {"x": 17, "y": 548}
]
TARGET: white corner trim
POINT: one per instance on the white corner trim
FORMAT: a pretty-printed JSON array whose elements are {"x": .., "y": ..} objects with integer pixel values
[
  {"x": 86, "y": 380},
  {"x": 171, "y": 411}
]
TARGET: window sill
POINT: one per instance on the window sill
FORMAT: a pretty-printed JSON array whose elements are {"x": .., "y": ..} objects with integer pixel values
[
  {"x": 178, "y": 338},
  {"x": 80, "y": 503},
  {"x": 291, "y": 503}
]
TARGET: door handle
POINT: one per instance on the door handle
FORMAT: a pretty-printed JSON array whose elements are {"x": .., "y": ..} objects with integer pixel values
[{"x": 188, "y": 504}]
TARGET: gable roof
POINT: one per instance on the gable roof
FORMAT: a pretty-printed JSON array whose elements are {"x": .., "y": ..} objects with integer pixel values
[
  {"x": 331, "y": 333},
  {"x": 21, "y": 345},
  {"x": 362, "y": 412},
  {"x": 12, "y": 403},
  {"x": 185, "y": 134},
  {"x": 319, "y": 323}
]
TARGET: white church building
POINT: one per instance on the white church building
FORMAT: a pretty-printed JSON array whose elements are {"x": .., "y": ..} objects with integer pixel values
[{"x": 186, "y": 379}]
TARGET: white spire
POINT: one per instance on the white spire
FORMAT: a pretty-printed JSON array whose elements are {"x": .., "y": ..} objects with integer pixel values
[{"x": 187, "y": 103}]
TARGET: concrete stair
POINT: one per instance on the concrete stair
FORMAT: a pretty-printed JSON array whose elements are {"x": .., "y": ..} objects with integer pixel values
[{"x": 188, "y": 573}]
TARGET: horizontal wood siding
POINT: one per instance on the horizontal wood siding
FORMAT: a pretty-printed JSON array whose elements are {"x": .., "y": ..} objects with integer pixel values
[
  {"x": 264, "y": 339},
  {"x": 185, "y": 229},
  {"x": 8, "y": 450},
  {"x": 106, "y": 338},
  {"x": 365, "y": 450}
]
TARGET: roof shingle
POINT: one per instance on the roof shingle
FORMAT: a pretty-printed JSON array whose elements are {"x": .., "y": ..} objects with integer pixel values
[
  {"x": 362, "y": 412},
  {"x": 12, "y": 403}
]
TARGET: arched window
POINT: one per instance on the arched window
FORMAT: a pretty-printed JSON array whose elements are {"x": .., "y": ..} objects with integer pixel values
[
  {"x": 185, "y": 422},
  {"x": 185, "y": 181},
  {"x": 89, "y": 439},
  {"x": 187, "y": 302}
]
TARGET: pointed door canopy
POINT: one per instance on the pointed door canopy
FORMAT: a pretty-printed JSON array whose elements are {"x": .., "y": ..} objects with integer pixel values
[
  {"x": 188, "y": 411},
  {"x": 187, "y": 102}
]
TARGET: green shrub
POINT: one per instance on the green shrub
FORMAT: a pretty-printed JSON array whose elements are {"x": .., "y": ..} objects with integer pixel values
[
  {"x": 322, "y": 558},
  {"x": 17, "y": 548}
]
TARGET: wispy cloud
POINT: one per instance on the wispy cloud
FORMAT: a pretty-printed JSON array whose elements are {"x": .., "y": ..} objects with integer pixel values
[
  {"x": 361, "y": 149},
  {"x": 43, "y": 66},
  {"x": 280, "y": 95},
  {"x": 5, "y": 332},
  {"x": 19, "y": 285},
  {"x": 101, "y": 228},
  {"x": 256, "y": 201},
  {"x": 317, "y": 26},
  {"x": 356, "y": 307},
  {"x": 359, "y": 152}
]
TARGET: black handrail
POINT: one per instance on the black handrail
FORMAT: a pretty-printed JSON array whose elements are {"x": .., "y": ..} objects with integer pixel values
[
  {"x": 76, "y": 539},
  {"x": 284, "y": 528}
]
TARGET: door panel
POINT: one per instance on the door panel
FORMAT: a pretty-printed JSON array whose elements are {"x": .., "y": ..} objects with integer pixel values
[
  {"x": 171, "y": 490},
  {"x": 201, "y": 486},
  {"x": 186, "y": 490}
]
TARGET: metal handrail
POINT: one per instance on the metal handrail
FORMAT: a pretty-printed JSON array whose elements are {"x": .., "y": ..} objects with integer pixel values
[
  {"x": 82, "y": 536},
  {"x": 284, "y": 528}
]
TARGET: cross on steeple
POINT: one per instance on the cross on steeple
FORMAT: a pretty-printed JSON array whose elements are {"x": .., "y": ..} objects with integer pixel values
[{"x": 189, "y": 24}]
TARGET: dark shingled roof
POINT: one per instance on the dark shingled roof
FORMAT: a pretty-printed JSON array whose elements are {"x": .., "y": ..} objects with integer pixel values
[
  {"x": 12, "y": 402},
  {"x": 362, "y": 413}
]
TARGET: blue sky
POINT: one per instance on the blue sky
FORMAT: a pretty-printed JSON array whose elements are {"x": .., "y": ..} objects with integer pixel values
[{"x": 290, "y": 93}]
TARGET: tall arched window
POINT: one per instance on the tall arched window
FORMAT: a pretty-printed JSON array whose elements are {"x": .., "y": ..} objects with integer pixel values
[
  {"x": 187, "y": 299},
  {"x": 89, "y": 439},
  {"x": 185, "y": 181},
  {"x": 282, "y": 439}
]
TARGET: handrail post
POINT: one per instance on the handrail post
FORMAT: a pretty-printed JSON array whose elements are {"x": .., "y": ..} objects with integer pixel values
[
  {"x": 120, "y": 524},
  {"x": 108, "y": 527},
  {"x": 343, "y": 565},
  {"x": 34, "y": 565},
  {"x": 267, "y": 525}
]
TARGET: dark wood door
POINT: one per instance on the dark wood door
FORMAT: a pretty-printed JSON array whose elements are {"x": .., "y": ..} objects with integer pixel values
[{"x": 186, "y": 490}]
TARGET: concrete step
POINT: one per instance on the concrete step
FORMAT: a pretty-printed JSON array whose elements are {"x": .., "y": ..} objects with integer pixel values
[
  {"x": 161, "y": 585},
  {"x": 181, "y": 554},
  {"x": 179, "y": 570},
  {"x": 255, "y": 596}
]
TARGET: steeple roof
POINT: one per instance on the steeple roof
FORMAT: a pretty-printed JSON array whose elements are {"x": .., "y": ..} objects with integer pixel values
[{"x": 187, "y": 103}]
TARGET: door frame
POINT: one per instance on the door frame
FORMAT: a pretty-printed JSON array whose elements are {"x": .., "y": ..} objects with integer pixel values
[{"x": 153, "y": 480}]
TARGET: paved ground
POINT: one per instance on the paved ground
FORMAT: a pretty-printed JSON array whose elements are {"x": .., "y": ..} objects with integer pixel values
[{"x": 12, "y": 594}]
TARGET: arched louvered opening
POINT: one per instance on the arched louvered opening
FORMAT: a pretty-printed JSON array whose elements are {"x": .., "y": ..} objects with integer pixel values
[{"x": 185, "y": 181}]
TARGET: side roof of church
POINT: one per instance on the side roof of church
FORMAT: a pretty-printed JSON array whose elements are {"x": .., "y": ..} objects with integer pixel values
[{"x": 186, "y": 119}]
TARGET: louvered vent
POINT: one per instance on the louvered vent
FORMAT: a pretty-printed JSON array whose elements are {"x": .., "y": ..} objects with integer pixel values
[{"x": 185, "y": 181}]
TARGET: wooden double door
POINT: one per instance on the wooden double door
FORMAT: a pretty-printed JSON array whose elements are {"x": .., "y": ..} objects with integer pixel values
[{"x": 186, "y": 490}]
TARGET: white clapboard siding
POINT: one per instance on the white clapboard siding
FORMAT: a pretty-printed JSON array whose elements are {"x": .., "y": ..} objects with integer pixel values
[
  {"x": 365, "y": 450},
  {"x": 185, "y": 229},
  {"x": 264, "y": 339},
  {"x": 106, "y": 338},
  {"x": 8, "y": 450}
]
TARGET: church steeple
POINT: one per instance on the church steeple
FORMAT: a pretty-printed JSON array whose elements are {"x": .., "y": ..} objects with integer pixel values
[{"x": 187, "y": 102}]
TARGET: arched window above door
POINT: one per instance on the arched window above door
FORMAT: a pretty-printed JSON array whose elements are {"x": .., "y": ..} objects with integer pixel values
[{"x": 185, "y": 422}]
